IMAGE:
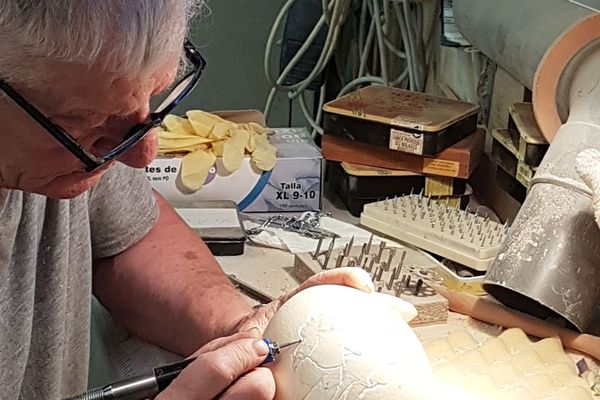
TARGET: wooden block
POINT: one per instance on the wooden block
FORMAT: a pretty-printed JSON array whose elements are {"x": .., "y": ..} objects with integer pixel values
[{"x": 432, "y": 307}]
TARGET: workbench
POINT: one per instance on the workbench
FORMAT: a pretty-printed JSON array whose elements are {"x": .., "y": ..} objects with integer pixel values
[
  {"x": 117, "y": 354},
  {"x": 271, "y": 271}
]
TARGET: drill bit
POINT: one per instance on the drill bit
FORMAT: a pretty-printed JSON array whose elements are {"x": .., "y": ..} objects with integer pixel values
[
  {"x": 365, "y": 262},
  {"x": 392, "y": 278},
  {"x": 339, "y": 260},
  {"x": 318, "y": 250},
  {"x": 375, "y": 272},
  {"x": 288, "y": 344},
  {"x": 349, "y": 246},
  {"x": 381, "y": 269},
  {"x": 371, "y": 264},
  {"x": 390, "y": 258},
  {"x": 369, "y": 244},
  {"x": 329, "y": 251},
  {"x": 362, "y": 253},
  {"x": 418, "y": 287},
  {"x": 381, "y": 249}
]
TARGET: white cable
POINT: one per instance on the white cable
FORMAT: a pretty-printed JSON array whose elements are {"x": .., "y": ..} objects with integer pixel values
[
  {"x": 583, "y": 5},
  {"x": 336, "y": 11},
  {"x": 405, "y": 38},
  {"x": 381, "y": 45},
  {"x": 375, "y": 50},
  {"x": 360, "y": 81}
]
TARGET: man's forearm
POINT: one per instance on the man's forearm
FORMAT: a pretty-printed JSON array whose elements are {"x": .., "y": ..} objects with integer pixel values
[{"x": 169, "y": 289}]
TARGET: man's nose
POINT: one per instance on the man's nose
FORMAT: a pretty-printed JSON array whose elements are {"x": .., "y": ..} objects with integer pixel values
[
  {"x": 142, "y": 153},
  {"x": 115, "y": 130}
]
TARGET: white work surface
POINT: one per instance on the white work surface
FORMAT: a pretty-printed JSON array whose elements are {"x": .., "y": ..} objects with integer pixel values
[{"x": 270, "y": 270}]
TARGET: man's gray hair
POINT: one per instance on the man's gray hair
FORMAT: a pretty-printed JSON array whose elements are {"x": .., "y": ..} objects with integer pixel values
[{"x": 121, "y": 35}]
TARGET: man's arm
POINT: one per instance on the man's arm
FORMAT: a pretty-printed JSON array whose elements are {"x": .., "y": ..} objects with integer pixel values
[{"x": 169, "y": 289}]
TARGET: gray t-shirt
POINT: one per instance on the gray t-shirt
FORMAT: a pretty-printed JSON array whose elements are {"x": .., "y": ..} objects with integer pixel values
[{"x": 46, "y": 252}]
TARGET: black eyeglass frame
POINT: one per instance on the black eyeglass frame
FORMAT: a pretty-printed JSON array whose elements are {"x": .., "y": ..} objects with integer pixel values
[{"x": 135, "y": 135}]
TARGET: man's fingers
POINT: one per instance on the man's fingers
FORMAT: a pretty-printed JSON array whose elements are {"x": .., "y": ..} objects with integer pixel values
[
  {"x": 215, "y": 371},
  {"x": 224, "y": 341},
  {"x": 256, "y": 385},
  {"x": 407, "y": 311},
  {"x": 352, "y": 277}
]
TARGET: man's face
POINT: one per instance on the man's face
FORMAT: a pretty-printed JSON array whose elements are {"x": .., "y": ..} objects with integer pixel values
[{"x": 97, "y": 108}]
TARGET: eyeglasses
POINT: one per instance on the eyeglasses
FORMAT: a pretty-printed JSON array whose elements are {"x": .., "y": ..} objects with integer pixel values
[{"x": 135, "y": 134}]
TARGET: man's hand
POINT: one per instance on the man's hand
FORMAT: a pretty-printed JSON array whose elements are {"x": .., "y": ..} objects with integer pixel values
[
  {"x": 226, "y": 368},
  {"x": 229, "y": 368},
  {"x": 352, "y": 277}
]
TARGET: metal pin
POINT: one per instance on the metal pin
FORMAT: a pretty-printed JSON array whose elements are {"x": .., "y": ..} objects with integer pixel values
[
  {"x": 390, "y": 258},
  {"x": 329, "y": 251},
  {"x": 351, "y": 262},
  {"x": 418, "y": 287},
  {"x": 379, "y": 288},
  {"x": 318, "y": 250},
  {"x": 392, "y": 279},
  {"x": 407, "y": 282}
]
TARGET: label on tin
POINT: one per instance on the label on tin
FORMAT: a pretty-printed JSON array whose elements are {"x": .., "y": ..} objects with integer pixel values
[
  {"x": 440, "y": 167},
  {"x": 408, "y": 142}
]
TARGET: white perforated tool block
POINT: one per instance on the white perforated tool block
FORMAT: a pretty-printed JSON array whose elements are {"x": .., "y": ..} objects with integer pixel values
[{"x": 457, "y": 235}]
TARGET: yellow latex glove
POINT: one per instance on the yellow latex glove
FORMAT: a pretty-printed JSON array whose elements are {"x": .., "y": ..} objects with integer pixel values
[{"x": 202, "y": 137}]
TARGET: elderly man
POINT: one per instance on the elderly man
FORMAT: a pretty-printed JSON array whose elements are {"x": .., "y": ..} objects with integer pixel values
[{"x": 76, "y": 217}]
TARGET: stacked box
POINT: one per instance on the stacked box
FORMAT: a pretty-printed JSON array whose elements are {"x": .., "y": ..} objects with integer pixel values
[
  {"x": 383, "y": 142},
  {"x": 518, "y": 151},
  {"x": 358, "y": 185}
]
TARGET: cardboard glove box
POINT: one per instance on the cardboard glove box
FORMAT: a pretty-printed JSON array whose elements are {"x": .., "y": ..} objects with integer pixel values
[{"x": 294, "y": 184}]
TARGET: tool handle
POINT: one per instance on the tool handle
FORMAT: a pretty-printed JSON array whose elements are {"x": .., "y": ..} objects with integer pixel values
[
  {"x": 273, "y": 351},
  {"x": 167, "y": 373},
  {"x": 96, "y": 394},
  {"x": 493, "y": 313}
]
